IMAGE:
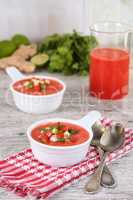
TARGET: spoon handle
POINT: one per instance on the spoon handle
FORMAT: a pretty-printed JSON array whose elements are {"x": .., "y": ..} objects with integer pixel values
[
  {"x": 107, "y": 179},
  {"x": 94, "y": 183}
]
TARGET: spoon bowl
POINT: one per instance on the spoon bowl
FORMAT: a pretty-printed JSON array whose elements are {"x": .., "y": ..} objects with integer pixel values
[{"x": 113, "y": 138}]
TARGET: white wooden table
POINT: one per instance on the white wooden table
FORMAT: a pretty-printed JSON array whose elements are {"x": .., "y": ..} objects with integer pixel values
[{"x": 13, "y": 125}]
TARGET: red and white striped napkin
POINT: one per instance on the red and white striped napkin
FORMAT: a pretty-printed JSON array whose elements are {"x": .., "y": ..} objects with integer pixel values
[{"x": 24, "y": 175}]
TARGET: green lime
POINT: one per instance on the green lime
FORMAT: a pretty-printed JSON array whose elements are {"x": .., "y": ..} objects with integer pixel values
[
  {"x": 7, "y": 48},
  {"x": 40, "y": 59},
  {"x": 19, "y": 39}
]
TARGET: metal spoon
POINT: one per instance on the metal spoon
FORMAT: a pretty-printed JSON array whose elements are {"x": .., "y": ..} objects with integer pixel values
[
  {"x": 107, "y": 179},
  {"x": 111, "y": 140}
]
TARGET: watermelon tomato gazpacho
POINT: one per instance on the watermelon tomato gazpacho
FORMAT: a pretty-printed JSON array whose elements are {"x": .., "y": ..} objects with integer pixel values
[
  {"x": 38, "y": 86},
  {"x": 60, "y": 134}
]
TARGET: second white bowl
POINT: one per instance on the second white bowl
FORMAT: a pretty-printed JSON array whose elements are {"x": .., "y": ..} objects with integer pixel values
[{"x": 35, "y": 104}]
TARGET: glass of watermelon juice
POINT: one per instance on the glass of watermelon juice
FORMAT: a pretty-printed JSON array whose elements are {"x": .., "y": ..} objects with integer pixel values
[{"x": 110, "y": 60}]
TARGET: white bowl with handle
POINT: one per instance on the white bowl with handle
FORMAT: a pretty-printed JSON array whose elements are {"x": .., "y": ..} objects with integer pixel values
[
  {"x": 63, "y": 156},
  {"x": 39, "y": 104}
]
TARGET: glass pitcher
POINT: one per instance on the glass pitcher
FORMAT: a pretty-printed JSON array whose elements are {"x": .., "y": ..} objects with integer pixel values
[{"x": 110, "y": 60}]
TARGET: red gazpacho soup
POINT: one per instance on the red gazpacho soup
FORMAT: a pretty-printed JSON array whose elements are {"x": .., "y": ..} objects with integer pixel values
[
  {"x": 60, "y": 134},
  {"x": 38, "y": 86}
]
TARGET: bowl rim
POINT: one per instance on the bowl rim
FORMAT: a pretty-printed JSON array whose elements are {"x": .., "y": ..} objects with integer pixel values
[
  {"x": 76, "y": 122},
  {"x": 38, "y": 96}
]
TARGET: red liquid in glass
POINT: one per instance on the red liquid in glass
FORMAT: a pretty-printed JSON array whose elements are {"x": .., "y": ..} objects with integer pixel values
[{"x": 109, "y": 73}]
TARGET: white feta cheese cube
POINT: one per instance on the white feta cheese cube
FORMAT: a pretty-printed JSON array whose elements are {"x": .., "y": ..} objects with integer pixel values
[
  {"x": 67, "y": 134},
  {"x": 53, "y": 138}
]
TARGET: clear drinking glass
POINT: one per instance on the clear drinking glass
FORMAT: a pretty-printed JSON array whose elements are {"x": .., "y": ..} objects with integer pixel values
[
  {"x": 110, "y": 60},
  {"x": 110, "y": 70}
]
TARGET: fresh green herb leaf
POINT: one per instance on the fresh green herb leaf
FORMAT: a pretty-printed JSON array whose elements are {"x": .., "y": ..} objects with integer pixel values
[
  {"x": 68, "y": 53},
  {"x": 72, "y": 131},
  {"x": 42, "y": 86},
  {"x": 45, "y": 129},
  {"x": 61, "y": 140},
  {"x": 48, "y": 128},
  {"x": 54, "y": 130},
  {"x": 30, "y": 85}
]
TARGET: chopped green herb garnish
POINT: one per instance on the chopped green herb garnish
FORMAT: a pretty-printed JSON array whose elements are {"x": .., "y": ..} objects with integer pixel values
[
  {"x": 44, "y": 129},
  {"x": 54, "y": 130},
  {"x": 48, "y": 128},
  {"x": 42, "y": 86},
  {"x": 72, "y": 131},
  {"x": 61, "y": 140},
  {"x": 30, "y": 85}
]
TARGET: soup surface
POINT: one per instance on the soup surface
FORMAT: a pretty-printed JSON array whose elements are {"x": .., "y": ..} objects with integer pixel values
[
  {"x": 60, "y": 134},
  {"x": 38, "y": 86}
]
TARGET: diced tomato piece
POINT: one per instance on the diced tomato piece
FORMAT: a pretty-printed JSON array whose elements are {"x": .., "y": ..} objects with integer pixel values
[
  {"x": 75, "y": 137},
  {"x": 49, "y": 134},
  {"x": 60, "y": 135},
  {"x": 37, "y": 88},
  {"x": 45, "y": 139}
]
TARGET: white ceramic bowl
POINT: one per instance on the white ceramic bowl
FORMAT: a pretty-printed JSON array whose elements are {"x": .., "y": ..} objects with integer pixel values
[
  {"x": 39, "y": 104},
  {"x": 58, "y": 156}
]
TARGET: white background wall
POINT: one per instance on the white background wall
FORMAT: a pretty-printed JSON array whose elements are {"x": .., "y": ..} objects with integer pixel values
[{"x": 37, "y": 18}]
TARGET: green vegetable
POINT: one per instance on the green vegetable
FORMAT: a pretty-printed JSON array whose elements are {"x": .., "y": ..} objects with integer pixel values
[
  {"x": 30, "y": 85},
  {"x": 61, "y": 140},
  {"x": 45, "y": 129},
  {"x": 7, "y": 48},
  {"x": 20, "y": 39},
  {"x": 40, "y": 59},
  {"x": 54, "y": 130},
  {"x": 72, "y": 131},
  {"x": 68, "y": 53},
  {"x": 43, "y": 86},
  {"x": 56, "y": 63}
]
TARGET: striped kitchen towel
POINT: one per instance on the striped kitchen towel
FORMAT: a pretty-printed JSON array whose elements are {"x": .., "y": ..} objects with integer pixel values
[{"x": 25, "y": 176}]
